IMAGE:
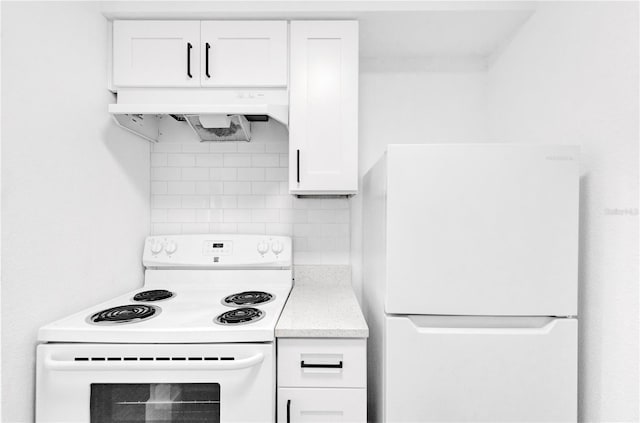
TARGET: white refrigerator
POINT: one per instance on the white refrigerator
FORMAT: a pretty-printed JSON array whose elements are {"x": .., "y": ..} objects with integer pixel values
[{"x": 470, "y": 266}]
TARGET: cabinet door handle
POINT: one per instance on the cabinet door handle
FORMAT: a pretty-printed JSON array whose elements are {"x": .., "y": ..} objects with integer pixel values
[
  {"x": 298, "y": 166},
  {"x": 288, "y": 411},
  {"x": 321, "y": 366},
  {"x": 189, "y": 47},
  {"x": 206, "y": 60}
]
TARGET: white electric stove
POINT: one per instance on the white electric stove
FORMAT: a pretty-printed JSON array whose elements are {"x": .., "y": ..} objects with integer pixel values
[{"x": 194, "y": 344}]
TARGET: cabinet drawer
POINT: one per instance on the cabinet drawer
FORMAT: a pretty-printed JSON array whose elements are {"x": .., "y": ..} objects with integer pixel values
[
  {"x": 303, "y": 405},
  {"x": 322, "y": 363}
]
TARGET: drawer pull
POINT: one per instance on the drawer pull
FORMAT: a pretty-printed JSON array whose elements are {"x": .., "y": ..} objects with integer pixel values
[
  {"x": 288, "y": 411},
  {"x": 321, "y": 366}
]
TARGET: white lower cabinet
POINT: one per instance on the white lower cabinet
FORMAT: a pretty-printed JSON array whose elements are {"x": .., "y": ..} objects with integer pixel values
[
  {"x": 322, "y": 380},
  {"x": 297, "y": 405}
]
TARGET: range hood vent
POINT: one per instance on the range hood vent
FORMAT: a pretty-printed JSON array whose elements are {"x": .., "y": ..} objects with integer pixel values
[{"x": 213, "y": 114}]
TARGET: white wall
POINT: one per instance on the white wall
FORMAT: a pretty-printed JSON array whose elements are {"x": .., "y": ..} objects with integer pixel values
[
  {"x": 75, "y": 188},
  {"x": 571, "y": 77},
  {"x": 419, "y": 108},
  {"x": 413, "y": 107}
]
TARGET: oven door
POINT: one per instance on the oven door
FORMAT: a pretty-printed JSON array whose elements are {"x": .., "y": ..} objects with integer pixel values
[{"x": 155, "y": 383}]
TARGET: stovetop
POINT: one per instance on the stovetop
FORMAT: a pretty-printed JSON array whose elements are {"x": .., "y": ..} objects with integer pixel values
[
  {"x": 187, "y": 317},
  {"x": 177, "y": 304}
]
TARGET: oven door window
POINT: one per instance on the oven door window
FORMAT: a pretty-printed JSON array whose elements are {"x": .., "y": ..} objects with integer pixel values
[{"x": 155, "y": 402}]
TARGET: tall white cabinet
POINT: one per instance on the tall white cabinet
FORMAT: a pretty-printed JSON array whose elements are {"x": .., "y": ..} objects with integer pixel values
[{"x": 323, "y": 117}]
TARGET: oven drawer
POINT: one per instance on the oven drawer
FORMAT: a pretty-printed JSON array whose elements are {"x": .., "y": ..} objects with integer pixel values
[
  {"x": 303, "y": 405},
  {"x": 322, "y": 362}
]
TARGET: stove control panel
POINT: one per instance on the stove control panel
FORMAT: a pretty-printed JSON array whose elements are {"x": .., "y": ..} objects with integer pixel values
[
  {"x": 218, "y": 251},
  {"x": 216, "y": 247}
]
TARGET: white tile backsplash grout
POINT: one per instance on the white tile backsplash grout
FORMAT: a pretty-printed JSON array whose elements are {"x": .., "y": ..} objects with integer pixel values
[{"x": 227, "y": 187}]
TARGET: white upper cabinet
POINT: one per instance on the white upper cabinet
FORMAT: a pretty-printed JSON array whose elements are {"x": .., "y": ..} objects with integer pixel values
[
  {"x": 244, "y": 53},
  {"x": 156, "y": 53},
  {"x": 200, "y": 53},
  {"x": 323, "y": 117}
]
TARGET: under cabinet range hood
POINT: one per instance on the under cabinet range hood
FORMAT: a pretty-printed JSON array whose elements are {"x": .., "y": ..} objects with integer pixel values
[{"x": 213, "y": 114}]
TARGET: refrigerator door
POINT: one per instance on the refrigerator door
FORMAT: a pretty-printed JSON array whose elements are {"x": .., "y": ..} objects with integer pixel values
[
  {"x": 487, "y": 229},
  {"x": 480, "y": 369}
]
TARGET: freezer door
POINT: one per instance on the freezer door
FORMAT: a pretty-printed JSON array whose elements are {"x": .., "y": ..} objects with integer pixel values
[
  {"x": 482, "y": 229},
  {"x": 480, "y": 369}
]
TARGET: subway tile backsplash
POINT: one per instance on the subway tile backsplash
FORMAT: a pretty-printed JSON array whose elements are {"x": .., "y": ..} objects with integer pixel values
[{"x": 238, "y": 187}]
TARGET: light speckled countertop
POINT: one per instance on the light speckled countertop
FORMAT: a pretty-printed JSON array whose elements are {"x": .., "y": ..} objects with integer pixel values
[{"x": 322, "y": 305}]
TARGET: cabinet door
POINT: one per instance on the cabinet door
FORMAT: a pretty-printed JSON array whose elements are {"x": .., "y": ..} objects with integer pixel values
[
  {"x": 244, "y": 53},
  {"x": 323, "y": 116},
  {"x": 305, "y": 405},
  {"x": 156, "y": 53}
]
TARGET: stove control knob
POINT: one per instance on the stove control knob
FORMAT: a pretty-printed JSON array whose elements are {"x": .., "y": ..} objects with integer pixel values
[
  {"x": 277, "y": 247},
  {"x": 171, "y": 247},
  {"x": 263, "y": 247},
  {"x": 156, "y": 246}
]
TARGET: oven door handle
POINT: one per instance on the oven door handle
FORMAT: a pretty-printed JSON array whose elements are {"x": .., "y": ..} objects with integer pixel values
[{"x": 53, "y": 364}]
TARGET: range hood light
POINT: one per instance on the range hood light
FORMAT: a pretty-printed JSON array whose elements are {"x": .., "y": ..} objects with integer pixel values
[
  {"x": 215, "y": 121},
  {"x": 220, "y": 127}
]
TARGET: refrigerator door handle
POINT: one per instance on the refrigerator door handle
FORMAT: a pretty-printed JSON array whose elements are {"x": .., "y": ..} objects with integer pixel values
[{"x": 484, "y": 325}]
